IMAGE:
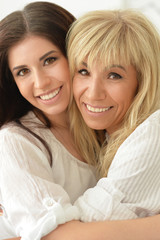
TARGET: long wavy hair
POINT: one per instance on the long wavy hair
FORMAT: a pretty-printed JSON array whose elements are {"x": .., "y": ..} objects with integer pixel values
[
  {"x": 38, "y": 18},
  {"x": 42, "y": 19},
  {"x": 47, "y": 20},
  {"x": 121, "y": 37}
]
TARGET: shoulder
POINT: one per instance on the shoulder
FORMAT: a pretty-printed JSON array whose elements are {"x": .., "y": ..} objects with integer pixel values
[
  {"x": 142, "y": 146},
  {"x": 147, "y": 130},
  {"x": 13, "y": 134},
  {"x": 154, "y": 118},
  {"x": 9, "y": 129},
  {"x": 145, "y": 138},
  {"x": 17, "y": 146}
]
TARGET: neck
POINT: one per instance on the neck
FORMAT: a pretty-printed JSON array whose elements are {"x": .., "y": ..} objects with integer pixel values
[
  {"x": 60, "y": 128},
  {"x": 57, "y": 121}
]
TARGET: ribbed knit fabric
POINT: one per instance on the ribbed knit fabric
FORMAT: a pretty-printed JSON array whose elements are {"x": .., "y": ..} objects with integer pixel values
[{"x": 132, "y": 187}]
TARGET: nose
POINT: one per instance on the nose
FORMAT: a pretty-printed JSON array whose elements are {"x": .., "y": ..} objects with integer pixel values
[
  {"x": 95, "y": 89},
  {"x": 41, "y": 80}
]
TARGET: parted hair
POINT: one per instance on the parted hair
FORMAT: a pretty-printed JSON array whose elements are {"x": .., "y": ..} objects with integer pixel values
[
  {"x": 38, "y": 18},
  {"x": 48, "y": 20},
  {"x": 120, "y": 37}
]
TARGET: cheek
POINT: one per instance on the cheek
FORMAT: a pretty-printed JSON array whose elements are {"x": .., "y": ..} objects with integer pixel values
[
  {"x": 79, "y": 86},
  {"x": 116, "y": 93},
  {"x": 75, "y": 88},
  {"x": 78, "y": 92},
  {"x": 131, "y": 95},
  {"x": 66, "y": 75},
  {"x": 123, "y": 94},
  {"x": 24, "y": 89},
  {"x": 65, "y": 72},
  {"x": 124, "y": 99},
  {"x": 19, "y": 86}
]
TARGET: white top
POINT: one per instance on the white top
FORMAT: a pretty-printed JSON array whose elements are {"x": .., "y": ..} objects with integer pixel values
[
  {"x": 132, "y": 188},
  {"x": 36, "y": 197}
]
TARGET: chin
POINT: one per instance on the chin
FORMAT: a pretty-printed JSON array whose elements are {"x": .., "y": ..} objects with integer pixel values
[{"x": 95, "y": 126}]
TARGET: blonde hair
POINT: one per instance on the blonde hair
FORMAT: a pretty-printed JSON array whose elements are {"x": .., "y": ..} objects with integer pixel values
[{"x": 119, "y": 36}]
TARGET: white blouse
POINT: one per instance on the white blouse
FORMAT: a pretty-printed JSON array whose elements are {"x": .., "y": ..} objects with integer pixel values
[
  {"x": 35, "y": 196},
  {"x": 132, "y": 187}
]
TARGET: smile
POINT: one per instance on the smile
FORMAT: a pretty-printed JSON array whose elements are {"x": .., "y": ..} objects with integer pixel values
[
  {"x": 96, "y": 109},
  {"x": 50, "y": 95}
]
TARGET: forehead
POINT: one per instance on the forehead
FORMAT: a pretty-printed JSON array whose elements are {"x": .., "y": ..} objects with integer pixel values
[
  {"x": 30, "y": 41},
  {"x": 30, "y": 46},
  {"x": 103, "y": 65},
  {"x": 103, "y": 57}
]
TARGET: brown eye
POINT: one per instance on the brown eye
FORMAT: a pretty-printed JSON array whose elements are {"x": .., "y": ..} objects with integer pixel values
[
  {"x": 23, "y": 72},
  {"x": 50, "y": 60},
  {"x": 83, "y": 72},
  {"x": 114, "y": 75}
]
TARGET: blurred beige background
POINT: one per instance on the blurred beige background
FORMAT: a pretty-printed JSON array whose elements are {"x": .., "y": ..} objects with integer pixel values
[{"x": 149, "y": 7}]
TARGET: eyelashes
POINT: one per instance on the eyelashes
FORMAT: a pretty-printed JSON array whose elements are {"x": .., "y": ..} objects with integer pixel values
[
  {"x": 83, "y": 72},
  {"x": 114, "y": 75},
  {"x": 23, "y": 72},
  {"x": 110, "y": 75},
  {"x": 48, "y": 61}
]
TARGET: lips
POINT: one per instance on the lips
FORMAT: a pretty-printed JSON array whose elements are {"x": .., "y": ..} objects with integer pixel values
[
  {"x": 50, "y": 95},
  {"x": 97, "y": 109}
]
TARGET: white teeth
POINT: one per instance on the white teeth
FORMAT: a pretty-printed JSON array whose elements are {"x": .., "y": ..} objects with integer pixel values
[
  {"x": 50, "y": 95},
  {"x": 97, "y": 110}
]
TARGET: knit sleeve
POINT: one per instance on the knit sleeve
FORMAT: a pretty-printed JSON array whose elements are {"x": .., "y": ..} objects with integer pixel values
[
  {"x": 32, "y": 202},
  {"x": 131, "y": 189}
]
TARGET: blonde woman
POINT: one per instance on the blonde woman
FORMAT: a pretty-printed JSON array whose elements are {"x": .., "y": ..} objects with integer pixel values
[
  {"x": 115, "y": 64},
  {"x": 42, "y": 170}
]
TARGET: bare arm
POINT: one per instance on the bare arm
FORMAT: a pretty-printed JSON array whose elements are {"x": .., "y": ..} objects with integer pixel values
[
  {"x": 13, "y": 238},
  {"x": 139, "y": 229}
]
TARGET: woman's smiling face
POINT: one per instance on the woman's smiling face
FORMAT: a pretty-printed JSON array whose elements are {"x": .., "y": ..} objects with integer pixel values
[
  {"x": 103, "y": 97},
  {"x": 41, "y": 73}
]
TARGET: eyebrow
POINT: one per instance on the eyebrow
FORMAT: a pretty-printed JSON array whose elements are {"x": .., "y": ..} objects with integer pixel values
[
  {"x": 46, "y": 54},
  {"x": 116, "y": 66},
  {"x": 85, "y": 64},
  {"x": 18, "y": 67},
  {"x": 40, "y": 59},
  {"x": 106, "y": 68}
]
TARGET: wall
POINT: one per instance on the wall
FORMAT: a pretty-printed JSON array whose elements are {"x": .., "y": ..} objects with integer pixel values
[
  {"x": 150, "y": 7},
  {"x": 75, "y": 7}
]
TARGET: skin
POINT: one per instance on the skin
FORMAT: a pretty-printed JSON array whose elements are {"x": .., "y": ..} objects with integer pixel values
[
  {"x": 99, "y": 91},
  {"x": 139, "y": 229},
  {"x": 42, "y": 76},
  {"x": 100, "y": 97},
  {"x": 108, "y": 94},
  {"x": 43, "y": 79},
  {"x": 103, "y": 97}
]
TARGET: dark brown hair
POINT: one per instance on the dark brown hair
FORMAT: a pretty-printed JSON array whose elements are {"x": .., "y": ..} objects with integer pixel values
[{"x": 38, "y": 18}]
